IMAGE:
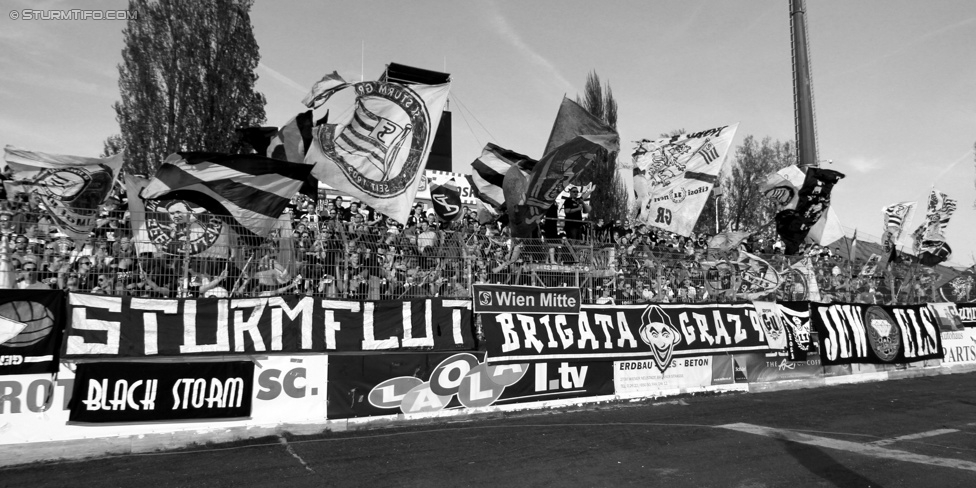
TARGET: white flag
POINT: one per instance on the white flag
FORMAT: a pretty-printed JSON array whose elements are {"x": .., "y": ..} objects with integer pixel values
[
  {"x": 673, "y": 176},
  {"x": 379, "y": 155}
]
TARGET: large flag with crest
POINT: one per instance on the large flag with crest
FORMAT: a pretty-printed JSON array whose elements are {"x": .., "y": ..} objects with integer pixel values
[
  {"x": 379, "y": 155},
  {"x": 250, "y": 189},
  {"x": 174, "y": 227},
  {"x": 673, "y": 176},
  {"x": 70, "y": 188}
]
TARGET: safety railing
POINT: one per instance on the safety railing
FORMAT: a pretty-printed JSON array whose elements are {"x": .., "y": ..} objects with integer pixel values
[{"x": 197, "y": 255}]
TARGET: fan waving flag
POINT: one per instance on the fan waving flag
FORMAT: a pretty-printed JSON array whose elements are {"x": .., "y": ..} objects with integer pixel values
[
  {"x": 251, "y": 189},
  {"x": 380, "y": 154},
  {"x": 577, "y": 139},
  {"x": 70, "y": 188},
  {"x": 673, "y": 176}
]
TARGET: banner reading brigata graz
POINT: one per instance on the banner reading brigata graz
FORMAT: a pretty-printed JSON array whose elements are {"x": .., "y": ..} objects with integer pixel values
[
  {"x": 525, "y": 299},
  {"x": 659, "y": 332},
  {"x": 105, "y": 326},
  {"x": 852, "y": 333}
]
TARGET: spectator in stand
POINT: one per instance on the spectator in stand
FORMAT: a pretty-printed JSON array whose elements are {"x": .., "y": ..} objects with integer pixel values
[{"x": 573, "y": 208}]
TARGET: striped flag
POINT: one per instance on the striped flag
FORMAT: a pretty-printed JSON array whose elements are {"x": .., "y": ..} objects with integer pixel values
[
  {"x": 708, "y": 151},
  {"x": 489, "y": 173},
  {"x": 251, "y": 189},
  {"x": 896, "y": 216}
]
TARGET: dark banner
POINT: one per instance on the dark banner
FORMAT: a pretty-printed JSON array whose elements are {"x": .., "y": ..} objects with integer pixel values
[
  {"x": 390, "y": 384},
  {"x": 104, "y": 326},
  {"x": 657, "y": 332},
  {"x": 967, "y": 313},
  {"x": 31, "y": 324},
  {"x": 148, "y": 392},
  {"x": 525, "y": 299},
  {"x": 852, "y": 333}
]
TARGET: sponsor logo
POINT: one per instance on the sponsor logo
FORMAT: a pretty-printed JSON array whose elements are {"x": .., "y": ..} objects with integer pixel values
[
  {"x": 475, "y": 384},
  {"x": 884, "y": 336},
  {"x": 273, "y": 382},
  {"x": 660, "y": 334}
]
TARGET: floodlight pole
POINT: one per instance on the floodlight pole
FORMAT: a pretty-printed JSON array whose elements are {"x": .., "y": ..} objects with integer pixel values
[{"x": 806, "y": 129}]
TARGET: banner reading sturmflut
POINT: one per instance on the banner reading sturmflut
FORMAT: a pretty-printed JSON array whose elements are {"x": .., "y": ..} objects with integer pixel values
[
  {"x": 674, "y": 176},
  {"x": 107, "y": 326}
]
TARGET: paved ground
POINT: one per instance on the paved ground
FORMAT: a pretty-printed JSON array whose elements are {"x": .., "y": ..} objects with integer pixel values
[{"x": 911, "y": 433}]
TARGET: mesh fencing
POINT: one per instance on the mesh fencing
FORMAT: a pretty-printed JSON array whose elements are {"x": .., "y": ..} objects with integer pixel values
[{"x": 194, "y": 255}]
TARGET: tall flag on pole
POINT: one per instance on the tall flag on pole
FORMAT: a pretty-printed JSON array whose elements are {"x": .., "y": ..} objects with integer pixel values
[
  {"x": 69, "y": 188},
  {"x": 793, "y": 225},
  {"x": 489, "y": 170},
  {"x": 251, "y": 189},
  {"x": 380, "y": 154},
  {"x": 673, "y": 176},
  {"x": 929, "y": 239},
  {"x": 577, "y": 139}
]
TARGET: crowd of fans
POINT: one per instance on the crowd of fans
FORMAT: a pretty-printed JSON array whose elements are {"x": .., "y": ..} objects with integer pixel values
[{"x": 342, "y": 249}]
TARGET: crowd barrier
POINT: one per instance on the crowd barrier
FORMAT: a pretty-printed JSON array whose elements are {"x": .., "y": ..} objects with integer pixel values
[
  {"x": 193, "y": 255},
  {"x": 139, "y": 373}
]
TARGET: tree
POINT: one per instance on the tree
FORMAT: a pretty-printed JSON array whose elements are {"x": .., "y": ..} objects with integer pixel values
[
  {"x": 609, "y": 200},
  {"x": 744, "y": 205},
  {"x": 186, "y": 79},
  {"x": 112, "y": 145}
]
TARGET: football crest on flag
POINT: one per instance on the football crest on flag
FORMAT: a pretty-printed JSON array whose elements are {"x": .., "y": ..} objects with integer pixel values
[{"x": 379, "y": 155}]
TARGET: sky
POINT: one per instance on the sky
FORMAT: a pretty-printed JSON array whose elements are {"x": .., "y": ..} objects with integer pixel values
[{"x": 894, "y": 80}]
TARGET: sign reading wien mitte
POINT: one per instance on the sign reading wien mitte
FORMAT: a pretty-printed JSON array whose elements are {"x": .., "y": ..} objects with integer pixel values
[{"x": 525, "y": 299}]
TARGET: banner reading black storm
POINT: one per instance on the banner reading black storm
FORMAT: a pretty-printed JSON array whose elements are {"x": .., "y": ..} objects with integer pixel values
[
  {"x": 106, "y": 326},
  {"x": 145, "y": 392},
  {"x": 658, "y": 332},
  {"x": 31, "y": 322},
  {"x": 853, "y": 333}
]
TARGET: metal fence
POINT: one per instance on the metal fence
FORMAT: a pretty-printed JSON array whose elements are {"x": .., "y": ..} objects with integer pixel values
[{"x": 196, "y": 255}]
